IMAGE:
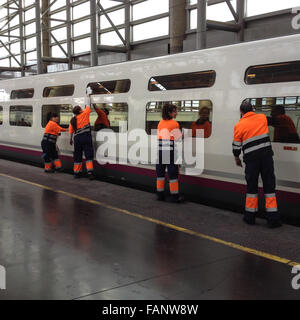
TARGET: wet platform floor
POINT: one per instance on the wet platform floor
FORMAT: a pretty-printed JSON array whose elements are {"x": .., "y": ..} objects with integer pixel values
[{"x": 55, "y": 245}]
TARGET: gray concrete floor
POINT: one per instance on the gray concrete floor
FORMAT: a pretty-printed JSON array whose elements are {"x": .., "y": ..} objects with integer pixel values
[{"x": 55, "y": 246}]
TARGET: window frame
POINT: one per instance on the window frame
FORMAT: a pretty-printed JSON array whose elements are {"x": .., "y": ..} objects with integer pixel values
[
  {"x": 54, "y": 105},
  {"x": 61, "y": 86},
  {"x": 125, "y": 103},
  {"x": 180, "y": 75},
  {"x": 1, "y": 113},
  {"x": 126, "y": 81},
  {"x": 276, "y": 64},
  {"x": 10, "y": 111},
  {"x": 263, "y": 109},
  {"x": 198, "y": 108},
  {"x": 19, "y": 91}
]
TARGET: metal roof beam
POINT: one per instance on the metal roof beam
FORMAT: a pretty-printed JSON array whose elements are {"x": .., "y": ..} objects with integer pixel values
[
  {"x": 53, "y": 59},
  {"x": 112, "y": 48},
  {"x": 11, "y": 54},
  {"x": 224, "y": 26},
  {"x": 13, "y": 69},
  {"x": 235, "y": 15},
  {"x": 112, "y": 24}
]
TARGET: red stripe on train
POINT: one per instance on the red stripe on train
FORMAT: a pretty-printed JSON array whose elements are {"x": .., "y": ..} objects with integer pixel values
[{"x": 197, "y": 181}]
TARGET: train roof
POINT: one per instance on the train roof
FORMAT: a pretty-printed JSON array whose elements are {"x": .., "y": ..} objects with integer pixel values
[{"x": 289, "y": 38}]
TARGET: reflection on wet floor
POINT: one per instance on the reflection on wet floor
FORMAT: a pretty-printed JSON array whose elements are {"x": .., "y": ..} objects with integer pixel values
[{"x": 58, "y": 247}]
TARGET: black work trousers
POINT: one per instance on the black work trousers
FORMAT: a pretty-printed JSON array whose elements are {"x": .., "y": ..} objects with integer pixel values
[
  {"x": 49, "y": 150},
  {"x": 263, "y": 166},
  {"x": 166, "y": 160},
  {"x": 172, "y": 170},
  {"x": 83, "y": 143}
]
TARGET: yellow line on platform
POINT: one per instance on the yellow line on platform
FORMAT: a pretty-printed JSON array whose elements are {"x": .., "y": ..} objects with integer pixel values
[{"x": 167, "y": 225}]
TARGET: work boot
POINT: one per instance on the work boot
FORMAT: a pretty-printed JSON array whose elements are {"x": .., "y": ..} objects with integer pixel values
[
  {"x": 59, "y": 169},
  {"x": 274, "y": 223},
  {"x": 180, "y": 199},
  {"x": 176, "y": 198},
  {"x": 160, "y": 196},
  {"x": 249, "y": 218},
  {"x": 50, "y": 171},
  {"x": 274, "y": 220},
  {"x": 77, "y": 175},
  {"x": 91, "y": 176}
]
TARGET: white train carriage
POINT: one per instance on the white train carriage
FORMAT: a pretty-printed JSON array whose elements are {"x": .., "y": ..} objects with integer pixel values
[{"x": 266, "y": 72}]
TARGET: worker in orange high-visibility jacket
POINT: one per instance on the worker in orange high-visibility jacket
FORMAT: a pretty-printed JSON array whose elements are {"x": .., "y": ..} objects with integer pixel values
[
  {"x": 284, "y": 127},
  {"x": 168, "y": 132},
  {"x": 251, "y": 135},
  {"x": 202, "y": 123},
  {"x": 52, "y": 130},
  {"x": 80, "y": 128},
  {"x": 102, "y": 121}
]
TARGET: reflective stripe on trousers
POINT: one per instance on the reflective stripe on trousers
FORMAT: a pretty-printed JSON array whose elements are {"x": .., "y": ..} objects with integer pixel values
[
  {"x": 57, "y": 164},
  {"x": 160, "y": 184},
  {"x": 77, "y": 167},
  {"x": 174, "y": 187},
  {"x": 48, "y": 166},
  {"x": 89, "y": 165},
  {"x": 271, "y": 202},
  {"x": 251, "y": 202}
]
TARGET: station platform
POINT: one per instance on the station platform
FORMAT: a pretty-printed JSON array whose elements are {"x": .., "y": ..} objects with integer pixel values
[{"x": 62, "y": 238}]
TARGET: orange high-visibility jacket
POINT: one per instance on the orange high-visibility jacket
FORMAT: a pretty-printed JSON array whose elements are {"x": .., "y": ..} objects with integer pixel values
[
  {"x": 251, "y": 134},
  {"x": 285, "y": 129},
  {"x": 102, "y": 118},
  {"x": 52, "y": 130},
  {"x": 168, "y": 130},
  {"x": 83, "y": 122},
  {"x": 206, "y": 126}
]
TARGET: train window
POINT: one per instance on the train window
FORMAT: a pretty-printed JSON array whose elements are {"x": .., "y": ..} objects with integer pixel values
[
  {"x": 271, "y": 73},
  {"x": 201, "y": 79},
  {"x": 22, "y": 94},
  {"x": 64, "y": 112},
  {"x": 1, "y": 115},
  {"x": 110, "y": 87},
  {"x": 20, "y": 116},
  {"x": 283, "y": 114},
  {"x": 59, "y": 91},
  {"x": 117, "y": 115},
  {"x": 192, "y": 114}
]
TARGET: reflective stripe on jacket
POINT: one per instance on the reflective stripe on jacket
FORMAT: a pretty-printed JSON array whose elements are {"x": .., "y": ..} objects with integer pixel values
[
  {"x": 251, "y": 134},
  {"x": 85, "y": 129},
  {"x": 167, "y": 132},
  {"x": 52, "y": 130}
]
